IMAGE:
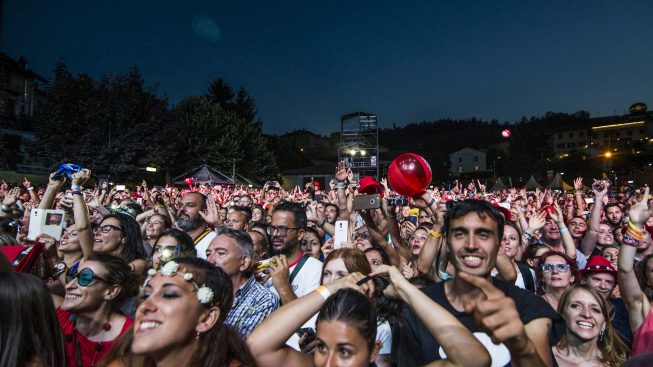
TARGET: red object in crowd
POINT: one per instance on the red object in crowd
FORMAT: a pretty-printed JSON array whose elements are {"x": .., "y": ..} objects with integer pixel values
[
  {"x": 369, "y": 186},
  {"x": 189, "y": 181},
  {"x": 409, "y": 174}
]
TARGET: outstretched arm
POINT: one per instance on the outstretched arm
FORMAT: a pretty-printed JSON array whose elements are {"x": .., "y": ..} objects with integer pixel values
[
  {"x": 459, "y": 344},
  {"x": 268, "y": 341},
  {"x": 635, "y": 299}
]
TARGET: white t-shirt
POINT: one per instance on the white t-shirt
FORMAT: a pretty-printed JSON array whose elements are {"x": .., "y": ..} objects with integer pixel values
[
  {"x": 306, "y": 280},
  {"x": 384, "y": 335},
  {"x": 204, "y": 244}
]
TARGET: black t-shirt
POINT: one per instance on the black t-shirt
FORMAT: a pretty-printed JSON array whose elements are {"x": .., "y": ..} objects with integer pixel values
[
  {"x": 620, "y": 320},
  {"x": 417, "y": 347}
]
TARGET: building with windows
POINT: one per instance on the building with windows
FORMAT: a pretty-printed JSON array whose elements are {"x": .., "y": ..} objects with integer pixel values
[
  {"x": 467, "y": 160},
  {"x": 631, "y": 132}
]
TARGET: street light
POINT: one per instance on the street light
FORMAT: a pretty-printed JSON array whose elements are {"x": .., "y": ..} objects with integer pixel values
[
  {"x": 150, "y": 169},
  {"x": 608, "y": 154}
]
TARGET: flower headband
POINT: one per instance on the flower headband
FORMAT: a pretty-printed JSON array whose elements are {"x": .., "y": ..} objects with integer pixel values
[{"x": 171, "y": 268}]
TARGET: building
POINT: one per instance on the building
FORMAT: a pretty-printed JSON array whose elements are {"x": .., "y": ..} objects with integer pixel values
[
  {"x": 467, "y": 160},
  {"x": 631, "y": 132},
  {"x": 20, "y": 90}
]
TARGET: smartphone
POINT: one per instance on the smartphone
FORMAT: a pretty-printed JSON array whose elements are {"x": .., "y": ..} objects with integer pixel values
[
  {"x": 412, "y": 219},
  {"x": 120, "y": 187},
  {"x": 45, "y": 221},
  {"x": 589, "y": 200},
  {"x": 372, "y": 201},
  {"x": 342, "y": 233},
  {"x": 317, "y": 197},
  {"x": 306, "y": 330},
  {"x": 139, "y": 201},
  {"x": 158, "y": 188}
]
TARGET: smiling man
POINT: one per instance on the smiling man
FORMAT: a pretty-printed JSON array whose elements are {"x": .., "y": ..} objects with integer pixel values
[
  {"x": 190, "y": 221},
  {"x": 523, "y": 324}
]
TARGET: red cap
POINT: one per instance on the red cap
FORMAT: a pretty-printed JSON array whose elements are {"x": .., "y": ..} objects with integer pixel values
[
  {"x": 369, "y": 186},
  {"x": 506, "y": 213},
  {"x": 598, "y": 264}
]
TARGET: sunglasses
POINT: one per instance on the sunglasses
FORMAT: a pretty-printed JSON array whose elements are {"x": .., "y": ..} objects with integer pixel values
[
  {"x": 364, "y": 235},
  {"x": 84, "y": 277},
  {"x": 562, "y": 268}
]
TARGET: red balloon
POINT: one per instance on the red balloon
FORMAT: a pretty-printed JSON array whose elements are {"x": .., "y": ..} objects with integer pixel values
[{"x": 409, "y": 174}]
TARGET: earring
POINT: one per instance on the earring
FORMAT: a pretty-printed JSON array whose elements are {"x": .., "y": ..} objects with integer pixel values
[
  {"x": 197, "y": 336},
  {"x": 601, "y": 334}
]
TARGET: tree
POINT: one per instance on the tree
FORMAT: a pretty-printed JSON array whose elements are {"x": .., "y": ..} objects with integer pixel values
[
  {"x": 113, "y": 126},
  {"x": 222, "y": 138},
  {"x": 221, "y": 93}
]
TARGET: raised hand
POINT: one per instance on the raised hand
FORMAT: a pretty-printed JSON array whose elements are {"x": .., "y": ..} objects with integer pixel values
[
  {"x": 78, "y": 178},
  {"x": 641, "y": 211},
  {"x": 537, "y": 221},
  {"x": 341, "y": 171},
  {"x": 211, "y": 214},
  {"x": 11, "y": 196},
  {"x": 578, "y": 184}
]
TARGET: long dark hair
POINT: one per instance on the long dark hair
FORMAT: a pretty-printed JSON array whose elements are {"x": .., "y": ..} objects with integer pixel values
[
  {"x": 29, "y": 330},
  {"x": 133, "y": 248}
]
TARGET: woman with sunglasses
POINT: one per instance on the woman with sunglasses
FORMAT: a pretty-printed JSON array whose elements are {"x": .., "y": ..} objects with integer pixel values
[
  {"x": 172, "y": 244},
  {"x": 556, "y": 273},
  {"x": 89, "y": 314}
]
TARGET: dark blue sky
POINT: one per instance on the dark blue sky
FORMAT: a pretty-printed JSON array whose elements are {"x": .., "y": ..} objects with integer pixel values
[{"x": 307, "y": 64}]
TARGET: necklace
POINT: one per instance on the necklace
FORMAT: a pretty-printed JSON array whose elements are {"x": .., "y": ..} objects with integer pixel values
[{"x": 78, "y": 351}]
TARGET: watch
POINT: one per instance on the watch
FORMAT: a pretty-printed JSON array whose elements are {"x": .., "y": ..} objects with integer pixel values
[{"x": 59, "y": 269}]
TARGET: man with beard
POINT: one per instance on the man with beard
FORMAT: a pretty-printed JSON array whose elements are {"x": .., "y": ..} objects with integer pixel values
[
  {"x": 190, "y": 219},
  {"x": 517, "y": 327},
  {"x": 614, "y": 214},
  {"x": 292, "y": 273}
]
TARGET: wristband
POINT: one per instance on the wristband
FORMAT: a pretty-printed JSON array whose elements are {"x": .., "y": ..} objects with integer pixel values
[
  {"x": 431, "y": 201},
  {"x": 563, "y": 229},
  {"x": 436, "y": 234},
  {"x": 76, "y": 187},
  {"x": 341, "y": 184},
  {"x": 31, "y": 188},
  {"x": 634, "y": 226},
  {"x": 159, "y": 206},
  {"x": 323, "y": 291},
  {"x": 6, "y": 209},
  {"x": 76, "y": 192}
]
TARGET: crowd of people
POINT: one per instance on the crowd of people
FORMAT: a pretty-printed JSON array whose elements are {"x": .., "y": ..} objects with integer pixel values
[{"x": 215, "y": 275}]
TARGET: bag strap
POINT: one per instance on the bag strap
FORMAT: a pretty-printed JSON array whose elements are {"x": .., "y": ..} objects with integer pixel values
[
  {"x": 297, "y": 268},
  {"x": 528, "y": 277}
]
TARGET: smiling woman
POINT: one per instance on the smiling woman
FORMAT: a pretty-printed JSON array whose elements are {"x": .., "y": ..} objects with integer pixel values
[
  {"x": 180, "y": 320},
  {"x": 589, "y": 338}
]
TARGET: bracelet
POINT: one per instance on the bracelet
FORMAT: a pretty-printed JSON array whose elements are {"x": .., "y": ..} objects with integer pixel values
[
  {"x": 159, "y": 206},
  {"x": 629, "y": 240},
  {"x": 323, "y": 291},
  {"x": 431, "y": 201},
  {"x": 634, "y": 226},
  {"x": 76, "y": 188},
  {"x": 6, "y": 209},
  {"x": 436, "y": 234},
  {"x": 563, "y": 229},
  {"x": 76, "y": 192},
  {"x": 31, "y": 188}
]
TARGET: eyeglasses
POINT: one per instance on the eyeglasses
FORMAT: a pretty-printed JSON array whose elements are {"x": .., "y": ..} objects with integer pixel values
[
  {"x": 364, "y": 236},
  {"x": 562, "y": 268},
  {"x": 84, "y": 277},
  {"x": 281, "y": 230},
  {"x": 108, "y": 228}
]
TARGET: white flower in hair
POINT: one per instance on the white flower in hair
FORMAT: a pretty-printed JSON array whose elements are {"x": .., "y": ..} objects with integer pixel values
[
  {"x": 170, "y": 268},
  {"x": 205, "y": 295},
  {"x": 151, "y": 272},
  {"x": 188, "y": 277}
]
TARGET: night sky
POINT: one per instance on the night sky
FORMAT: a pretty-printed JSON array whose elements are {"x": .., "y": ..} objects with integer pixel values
[{"x": 307, "y": 62}]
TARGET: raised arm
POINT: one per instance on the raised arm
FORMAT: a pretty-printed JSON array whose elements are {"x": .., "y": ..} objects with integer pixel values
[
  {"x": 459, "y": 344},
  {"x": 47, "y": 202},
  {"x": 567, "y": 240},
  {"x": 80, "y": 212},
  {"x": 589, "y": 241},
  {"x": 267, "y": 342},
  {"x": 578, "y": 196},
  {"x": 635, "y": 299}
]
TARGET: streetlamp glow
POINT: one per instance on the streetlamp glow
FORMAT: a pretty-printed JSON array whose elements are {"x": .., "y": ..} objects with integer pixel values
[
  {"x": 608, "y": 154},
  {"x": 150, "y": 169}
]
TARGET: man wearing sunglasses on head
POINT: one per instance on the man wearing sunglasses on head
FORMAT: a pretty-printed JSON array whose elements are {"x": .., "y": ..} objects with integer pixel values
[{"x": 600, "y": 275}]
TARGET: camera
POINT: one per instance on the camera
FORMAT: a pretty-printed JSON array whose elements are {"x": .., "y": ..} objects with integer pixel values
[{"x": 397, "y": 201}]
